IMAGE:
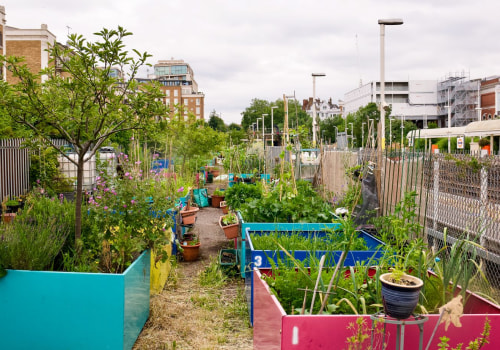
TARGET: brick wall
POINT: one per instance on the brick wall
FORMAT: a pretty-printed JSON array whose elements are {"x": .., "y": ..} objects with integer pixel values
[{"x": 31, "y": 50}]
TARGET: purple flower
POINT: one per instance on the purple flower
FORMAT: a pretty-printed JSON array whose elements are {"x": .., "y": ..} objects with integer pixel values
[
  {"x": 106, "y": 208},
  {"x": 180, "y": 189},
  {"x": 127, "y": 174},
  {"x": 133, "y": 201},
  {"x": 38, "y": 181},
  {"x": 138, "y": 162},
  {"x": 124, "y": 205}
]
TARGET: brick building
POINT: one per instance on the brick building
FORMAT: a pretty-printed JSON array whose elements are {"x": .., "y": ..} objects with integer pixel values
[
  {"x": 32, "y": 44},
  {"x": 490, "y": 98},
  {"x": 177, "y": 81}
]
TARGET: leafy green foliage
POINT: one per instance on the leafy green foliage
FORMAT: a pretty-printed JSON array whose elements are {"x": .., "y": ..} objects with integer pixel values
[
  {"x": 37, "y": 235},
  {"x": 303, "y": 206},
  {"x": 79, "y": 99},
  {"x": 241, "y": 193},
  {"x": 332, "y": 241}
]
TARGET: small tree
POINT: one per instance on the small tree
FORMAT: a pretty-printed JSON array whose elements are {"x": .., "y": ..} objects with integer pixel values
[{"x": 77, "y": 97}]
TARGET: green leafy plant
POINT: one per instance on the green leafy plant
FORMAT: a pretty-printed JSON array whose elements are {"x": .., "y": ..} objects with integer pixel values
[
  {"x": 218, "y": 192},
  {"x": 332, "y": 241},
  {"x": 285, "y": 202},
  {"x": 229, "y": 219},
  {"x": 129, "y": 213},
  {"x": 31, "y": 245},
  {"x": 241, "y": 193}
]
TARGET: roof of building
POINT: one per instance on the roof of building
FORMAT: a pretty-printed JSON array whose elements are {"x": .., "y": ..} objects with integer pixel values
[{"x": 482, "y": 128}]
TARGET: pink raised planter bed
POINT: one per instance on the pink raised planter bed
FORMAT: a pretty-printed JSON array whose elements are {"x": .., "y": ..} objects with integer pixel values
[{"x": 274, "y": 329}]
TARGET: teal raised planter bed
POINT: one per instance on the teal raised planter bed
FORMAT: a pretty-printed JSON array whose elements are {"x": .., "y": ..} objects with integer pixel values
[{"x": 70, "y": 310}]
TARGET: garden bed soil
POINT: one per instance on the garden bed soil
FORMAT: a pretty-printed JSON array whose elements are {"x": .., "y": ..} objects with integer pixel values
[{"x": 182, "y": 316}]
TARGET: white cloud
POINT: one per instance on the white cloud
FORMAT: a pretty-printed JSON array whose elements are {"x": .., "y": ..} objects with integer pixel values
[{"x": 241, "y": 50}]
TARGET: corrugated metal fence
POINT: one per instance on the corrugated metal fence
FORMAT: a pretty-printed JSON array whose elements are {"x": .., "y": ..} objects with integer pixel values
[{"x": 14, "y": 168}]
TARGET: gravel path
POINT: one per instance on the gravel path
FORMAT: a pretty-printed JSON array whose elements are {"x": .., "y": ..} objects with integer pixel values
[{"x": 188, "y": 316}]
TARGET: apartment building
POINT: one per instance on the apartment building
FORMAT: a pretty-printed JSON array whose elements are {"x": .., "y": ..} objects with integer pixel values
[
  {"x": 410, "y": 100},
  {"x": 32, "y": 44},
  {"x": 176, "y": 78}
]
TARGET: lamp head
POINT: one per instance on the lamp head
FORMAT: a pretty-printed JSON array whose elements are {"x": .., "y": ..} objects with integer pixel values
[
  {"x": 391, "y": 21},
  {"x": 318, "y": 74}
]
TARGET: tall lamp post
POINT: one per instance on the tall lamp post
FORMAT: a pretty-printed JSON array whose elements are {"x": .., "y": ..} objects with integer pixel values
[
  {"x": 272, "y": 125},
  {"x": 390, "y": 131},
  {"x": 352, "y": 135},
  {"x": 363, "y": 134},
  {"x": 258, "y": 125},
  {"x": 383, "y": 23},
  {"x": 314, "y": 75},
  {"x": 263, "y": 130}
]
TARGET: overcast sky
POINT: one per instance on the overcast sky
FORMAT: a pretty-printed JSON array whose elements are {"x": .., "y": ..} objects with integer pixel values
[{"x": 245, "y": 49}]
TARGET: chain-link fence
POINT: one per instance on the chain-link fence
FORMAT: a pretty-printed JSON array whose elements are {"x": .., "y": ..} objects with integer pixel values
[{"x": 457, "y": 193}]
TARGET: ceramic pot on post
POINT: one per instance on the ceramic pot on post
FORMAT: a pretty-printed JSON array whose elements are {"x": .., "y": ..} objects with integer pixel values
[{"x": 400, "y": 297}]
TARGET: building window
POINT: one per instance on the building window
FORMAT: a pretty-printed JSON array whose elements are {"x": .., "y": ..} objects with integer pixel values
[
  {"x": 176, "y": 101},
  {"x": 198, "y": 110},
  {"x": 197, "y": 101},
  {"x": 167, "y": 93}
]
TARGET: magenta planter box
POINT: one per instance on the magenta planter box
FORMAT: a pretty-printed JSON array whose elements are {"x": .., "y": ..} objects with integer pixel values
[{"x": 274, "y": 329}]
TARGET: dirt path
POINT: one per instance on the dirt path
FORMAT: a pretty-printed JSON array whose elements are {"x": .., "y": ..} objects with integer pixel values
[{"x": 187, "y": 315}]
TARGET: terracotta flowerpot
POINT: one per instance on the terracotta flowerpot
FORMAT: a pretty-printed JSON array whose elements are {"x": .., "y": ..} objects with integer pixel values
[
  {"x": 224, "y": 207},
  {"x": 400, "y": 299},
  {"x": 216, "y": 201},
  {"x": 231, "y": 231},
  {"x": 189, "y": 216},
  {"x": 8, "y": 217},
  {"x": 190, "y": 252}
]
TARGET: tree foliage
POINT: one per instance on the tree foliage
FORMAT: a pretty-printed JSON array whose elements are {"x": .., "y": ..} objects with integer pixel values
[{"x": 77, "y": 97}]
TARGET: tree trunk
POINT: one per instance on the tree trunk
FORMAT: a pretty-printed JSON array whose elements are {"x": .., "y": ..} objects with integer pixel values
[{"x": 79, "y": 197}]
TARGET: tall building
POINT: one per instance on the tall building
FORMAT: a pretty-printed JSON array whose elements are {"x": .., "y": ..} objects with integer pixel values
[
  {"x": 32, "y": 44},
  {"x": 176, "y": 78},
  {"x": 414, "y": 100}
]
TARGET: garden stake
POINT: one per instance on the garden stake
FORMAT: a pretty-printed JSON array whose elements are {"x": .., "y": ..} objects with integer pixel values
[
  {"x": 304, "y": 302},
  {"x": 323, "y": 304},
  {"x": 321, "y": 262}
]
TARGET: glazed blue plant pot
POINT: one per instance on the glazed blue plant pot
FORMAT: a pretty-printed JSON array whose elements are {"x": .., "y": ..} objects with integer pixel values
[{"x": 400, "y": 300}]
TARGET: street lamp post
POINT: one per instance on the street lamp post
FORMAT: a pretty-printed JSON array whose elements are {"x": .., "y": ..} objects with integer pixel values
[
  {"x": 352, "y": 135},
  {"x": 314, "y": 75},
  {"x": 402, "y": 130},
  {"x": 383, "y": 23},
  {"x": 336, "y": 133},
  {"x": 390, "y": 131},
  {"x": 263, "y": 130},
  {"x": 272, "y": 125},
  {"x": 363, "y": 134}
]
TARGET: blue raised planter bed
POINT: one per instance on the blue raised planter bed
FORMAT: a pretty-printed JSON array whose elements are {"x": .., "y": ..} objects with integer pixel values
[
  {"x": 70, "y": 310},
  {"x": 259, "y": 227},
  {"x": 261, "y": 258}
]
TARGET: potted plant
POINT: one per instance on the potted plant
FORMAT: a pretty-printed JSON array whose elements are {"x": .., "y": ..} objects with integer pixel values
[
  {"x": 484, "y": 143},
  {"x": 217, "y": 197},
  {"x": 230, "y": 225},
  {"x": 6, "y": 216},
  {"x": 400, "y": 293},
  {"x": 190, "y": 250},
  {"x": 188, "y": 213},
  {"x": 224, "y": 207}
]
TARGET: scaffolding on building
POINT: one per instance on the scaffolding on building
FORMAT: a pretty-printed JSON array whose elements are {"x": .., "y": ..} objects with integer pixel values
[{"x": 461, "y": 93}]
